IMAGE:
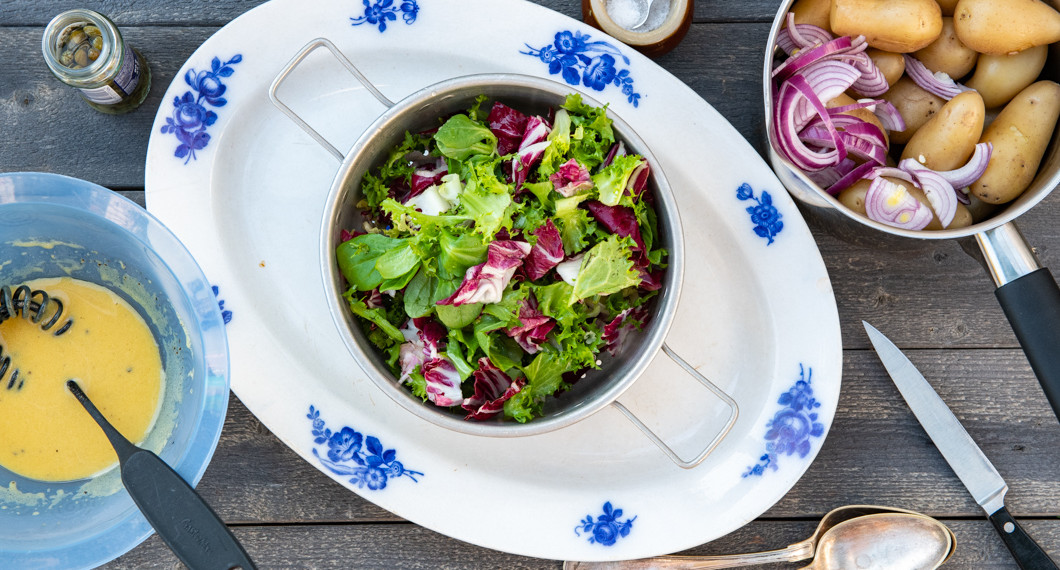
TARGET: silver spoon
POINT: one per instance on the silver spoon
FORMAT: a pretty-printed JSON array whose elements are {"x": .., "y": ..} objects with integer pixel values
[
  {"x": 182, "y": 519},
  {"x": 858, "y": 536},
  {"x": 642, "y": 8}
]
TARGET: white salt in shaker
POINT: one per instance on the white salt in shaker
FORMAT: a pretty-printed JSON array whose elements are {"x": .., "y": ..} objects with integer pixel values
[{"x": 653, "y": 33}]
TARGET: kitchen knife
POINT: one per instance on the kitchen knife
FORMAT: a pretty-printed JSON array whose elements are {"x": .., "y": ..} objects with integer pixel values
[{"x": 960, "y": 451}]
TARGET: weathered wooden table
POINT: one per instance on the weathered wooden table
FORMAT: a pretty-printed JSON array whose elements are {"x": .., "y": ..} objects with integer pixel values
[{"x": 931, "y": 298}]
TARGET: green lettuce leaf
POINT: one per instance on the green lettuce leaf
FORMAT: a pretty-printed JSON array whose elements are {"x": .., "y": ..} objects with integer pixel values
[
  {"x": 377, "y": 316},
  {"x": 607, "y": 268},
  {"x": 460, "y": 138},
  {"x": 357, "y": 259},
  {"x": 610, "y": 181},
  {"x": 575, "y": 225}
]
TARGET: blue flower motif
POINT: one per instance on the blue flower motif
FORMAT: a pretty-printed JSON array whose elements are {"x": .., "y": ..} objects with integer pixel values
[
  {"x": 607, "y": 528},
  {"x": 226, "y": 315},
  {"x": 383, "y": 11},
  {"x": 364, "y": 459},
  {"x": 764, "y": 215},
  {"x": 791, "y": 428},
  {"x": 573, "y": 56},
  {"x": 190, "y": 117},
  {"x": 600, "y": 72}
]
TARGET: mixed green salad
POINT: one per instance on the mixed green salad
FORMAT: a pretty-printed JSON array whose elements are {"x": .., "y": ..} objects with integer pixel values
[{"x": 501, "y": 253}]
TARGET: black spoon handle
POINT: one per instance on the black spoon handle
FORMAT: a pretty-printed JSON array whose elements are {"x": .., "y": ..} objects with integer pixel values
[{"x": 182, "y": 519}]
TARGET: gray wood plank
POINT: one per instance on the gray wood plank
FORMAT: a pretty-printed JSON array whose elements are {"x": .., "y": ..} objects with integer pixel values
[
  {"x": 220, "y": 12},
  {"x": 407, "y": 546}
]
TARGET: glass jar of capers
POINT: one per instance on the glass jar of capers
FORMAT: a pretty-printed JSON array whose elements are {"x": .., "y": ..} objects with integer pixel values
[{"x": 84, "y": 49}]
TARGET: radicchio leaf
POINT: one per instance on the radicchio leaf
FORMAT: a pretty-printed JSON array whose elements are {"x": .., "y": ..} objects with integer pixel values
[
  {"x": 533, "y": 327},
  {"x": 443, "y": 382},
  {"x": 571, "y": 178},
  {"x": 492, "y": 388},
  {"x": 546, "y": 253},
  {"x": 423, "y": 338},
  {"x": 535, "y": 141},
  {"x": 509, "y": 126},
  {"x": 618, "y": 330},
  {"x": 638, "y": 181},
  {"x": 620, "y": 220},
  {"x": 427, "y": 175},
  {"x": 485, "y": 283}
]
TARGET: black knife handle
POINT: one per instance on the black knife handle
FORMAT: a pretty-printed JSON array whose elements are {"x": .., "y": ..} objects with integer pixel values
[
  {"x": 1032, "y": 305},
  {"x": 1027, "y": 553}
]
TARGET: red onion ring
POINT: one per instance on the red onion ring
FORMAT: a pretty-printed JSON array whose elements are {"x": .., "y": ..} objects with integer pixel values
[
  {"x": 939, "y": 192},
  {"x": 892, "y": 204},
  {"x": 936, "y": 83}
]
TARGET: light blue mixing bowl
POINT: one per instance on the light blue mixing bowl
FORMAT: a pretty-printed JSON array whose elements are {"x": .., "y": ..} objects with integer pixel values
[{"x": 53, "y": 226}]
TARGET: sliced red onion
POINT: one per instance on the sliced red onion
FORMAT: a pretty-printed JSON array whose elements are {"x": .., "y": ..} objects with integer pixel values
[
  {"x": 939, "y": 83},
  {"x": 808, "y": 57},
  {"x": 787, "y": 136},
  {"x": 889, "y": 116},
  {"x": 855, "y": 126},
  {"x": 939, "y": 192},
  {"x": 872, "y": 82},
  {"x": 973, "y": 169},
  {"x": 892, "y": 204},
  {"x": 859, "y": 147},
  {"x": 891, "y": 172},
  {"x": 850, "y": 178},
  {"x": 826, "y": 80},
  {"x": 800, "y": 36}
]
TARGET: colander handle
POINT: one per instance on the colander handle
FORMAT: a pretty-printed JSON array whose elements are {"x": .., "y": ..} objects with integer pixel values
[
  {"x": 734, "y": 412},
  {"x": 295, "y": 61}
]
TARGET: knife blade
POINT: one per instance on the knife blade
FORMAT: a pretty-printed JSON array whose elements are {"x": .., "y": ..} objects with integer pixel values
[{"x": 959, "y": 449}]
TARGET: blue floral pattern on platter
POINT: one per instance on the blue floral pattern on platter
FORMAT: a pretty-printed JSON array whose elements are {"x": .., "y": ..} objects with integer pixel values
[
  {"x": 191, "y": 117},
  {"x": 791, "y": 429},
  {"x": 765, "y": 216},
  {"x": 226, "y": 315},
  {"x": 607, "y": 528},
  {"x": 350, "y": 453},
  {"x": 592, "y": 63},
  {"x": 382, "y": 11}
]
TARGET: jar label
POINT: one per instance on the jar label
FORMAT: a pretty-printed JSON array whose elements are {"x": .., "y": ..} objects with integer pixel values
[{"x": 124, "y": 82}]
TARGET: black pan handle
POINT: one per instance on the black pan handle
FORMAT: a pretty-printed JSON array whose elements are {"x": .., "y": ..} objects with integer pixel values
[
  {"x": 1031, "y": 300},
  {"x": 1027, "y": 553},
  {"x": 1032, "y": 305}
]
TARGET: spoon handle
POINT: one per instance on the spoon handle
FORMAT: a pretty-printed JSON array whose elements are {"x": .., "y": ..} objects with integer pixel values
[
  {"x": 798, "y": 551},
  {"x": 182, "y": 519}
]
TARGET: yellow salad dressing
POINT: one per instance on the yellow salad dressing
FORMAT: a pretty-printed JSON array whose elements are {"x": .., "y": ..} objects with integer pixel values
[{"x": 44, "y": 432}]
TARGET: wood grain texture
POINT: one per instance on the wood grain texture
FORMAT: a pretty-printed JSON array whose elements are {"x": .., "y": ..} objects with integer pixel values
[{"x": 930, "y": 297}]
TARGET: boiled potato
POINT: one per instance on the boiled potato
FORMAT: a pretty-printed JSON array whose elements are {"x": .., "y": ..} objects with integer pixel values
[
  {"x": 1005, "y": 26},
  {"x": 947, "y": 140},
  {"x": 947, "y": 54},
  {"x": 813, "y": 12},
  {"x": 1020, "y": 135},
  {"x": 914, "y": 104},
  {"x": 864, "y": 114},
  {"x": 999, "y": 77},
  {"x": 853, "y": 197},
  {"x": 891, "y": 64},
  {"x": 901, "y": 26}
]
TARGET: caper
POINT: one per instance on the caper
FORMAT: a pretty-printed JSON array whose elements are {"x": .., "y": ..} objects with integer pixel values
[
  {"x": 93, "y": 53},
  {"x": 66, "y": 58},
  {"x": 97, "y": 43},
  {"x": 81, "y": 57},
  {"x": 75, "y": 38},
  {"x": 92, "y": 31}
]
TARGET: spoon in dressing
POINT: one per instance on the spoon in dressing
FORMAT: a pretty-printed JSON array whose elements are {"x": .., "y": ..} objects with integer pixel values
[
  {"x": 859, "y": 536},
  {"x": 182, "y": 519}
]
